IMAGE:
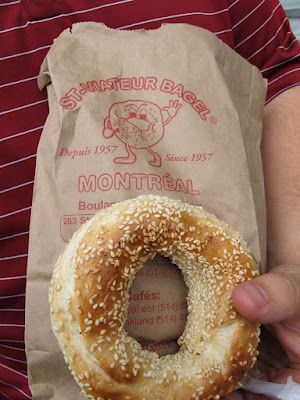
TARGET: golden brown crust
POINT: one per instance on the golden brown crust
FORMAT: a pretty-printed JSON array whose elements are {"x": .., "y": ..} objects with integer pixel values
[{"x": 89, "y": 299}]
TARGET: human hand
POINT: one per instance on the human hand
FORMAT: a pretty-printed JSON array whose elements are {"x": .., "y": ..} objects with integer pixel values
[{"x": 273, "y": 299}]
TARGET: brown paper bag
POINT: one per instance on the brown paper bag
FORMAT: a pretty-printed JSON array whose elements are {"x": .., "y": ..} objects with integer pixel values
[{"x": 172, "y": 112}]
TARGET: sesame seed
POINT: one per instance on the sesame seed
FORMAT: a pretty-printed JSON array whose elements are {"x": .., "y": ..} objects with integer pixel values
[{"x": 151, "y": 225}]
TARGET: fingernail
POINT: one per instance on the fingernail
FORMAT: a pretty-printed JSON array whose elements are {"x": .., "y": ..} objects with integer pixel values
[{"x": 256, "y": 294}]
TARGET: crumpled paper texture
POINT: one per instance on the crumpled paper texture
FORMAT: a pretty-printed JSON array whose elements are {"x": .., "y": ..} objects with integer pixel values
[{"x": 173, "y": 112}]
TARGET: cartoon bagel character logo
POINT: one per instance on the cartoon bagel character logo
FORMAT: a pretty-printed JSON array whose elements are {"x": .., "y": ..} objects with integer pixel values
[{"x": 139, "y": 125}]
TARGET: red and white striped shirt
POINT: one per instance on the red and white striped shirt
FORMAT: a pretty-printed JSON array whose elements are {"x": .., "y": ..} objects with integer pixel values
[{"x": 256, "y": 29}]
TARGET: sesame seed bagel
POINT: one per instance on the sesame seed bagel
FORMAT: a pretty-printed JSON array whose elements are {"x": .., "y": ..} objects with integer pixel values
[{"x": 89, "y": 296}]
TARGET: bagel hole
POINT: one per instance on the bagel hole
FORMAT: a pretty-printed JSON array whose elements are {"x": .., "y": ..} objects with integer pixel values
[{"x": 157, "y": 309}]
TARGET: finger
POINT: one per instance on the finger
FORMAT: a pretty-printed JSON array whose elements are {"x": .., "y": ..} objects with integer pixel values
[
  {"x": 252, "y": 396},
  {"x": 272, "y": 297},
  {"x": 243, "y": 395},
  {"x": 234, "y": 396},
  {"x": 282, "y": 376}
]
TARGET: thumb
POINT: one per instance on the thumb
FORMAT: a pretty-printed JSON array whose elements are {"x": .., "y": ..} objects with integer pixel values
[{"x": 272, "y": 297}]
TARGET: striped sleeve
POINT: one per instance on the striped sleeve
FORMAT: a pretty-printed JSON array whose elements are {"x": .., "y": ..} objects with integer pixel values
[{"x": 263, "y": 36}]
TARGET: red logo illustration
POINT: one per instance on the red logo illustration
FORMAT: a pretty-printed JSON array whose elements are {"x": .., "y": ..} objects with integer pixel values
[{"x": 139, "y": 125}]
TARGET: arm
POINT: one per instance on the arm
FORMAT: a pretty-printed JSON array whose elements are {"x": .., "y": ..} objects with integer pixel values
[
  {"x": 281, "y": 162},
  {"x": 274, "y": 298}
]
